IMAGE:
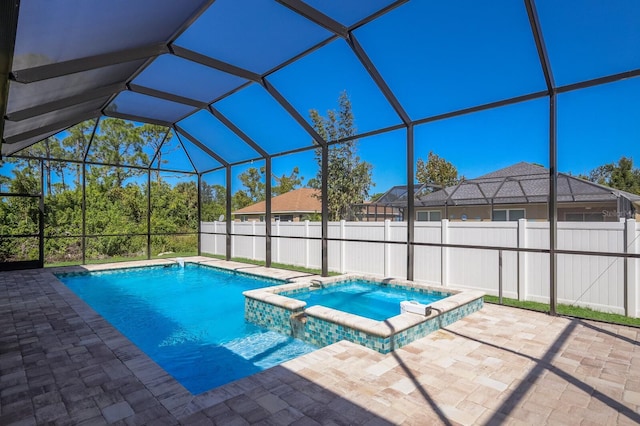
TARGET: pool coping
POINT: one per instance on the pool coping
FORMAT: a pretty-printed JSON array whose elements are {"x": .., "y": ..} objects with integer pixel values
[{"x": 388, "y": 331}]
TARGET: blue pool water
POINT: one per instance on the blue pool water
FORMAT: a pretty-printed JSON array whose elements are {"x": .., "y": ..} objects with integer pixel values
[
  {"x": 190, "y": 321},
  {"x": 365, "y": 298}
]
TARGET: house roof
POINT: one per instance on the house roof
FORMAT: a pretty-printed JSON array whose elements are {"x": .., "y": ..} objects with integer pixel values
[
  {"x": 302, "y": 200},
  {"x": 519, "y": 183}
]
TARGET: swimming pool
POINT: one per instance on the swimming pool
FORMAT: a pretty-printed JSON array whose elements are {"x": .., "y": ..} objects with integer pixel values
[
  {"x": 365, "y": 298},
  {"x": 189, "y": 320}
]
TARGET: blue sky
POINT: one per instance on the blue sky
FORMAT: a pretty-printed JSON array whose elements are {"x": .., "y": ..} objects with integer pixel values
[
  {"x": 437, "y": 65},
  {"x": 436, "y": 57}
]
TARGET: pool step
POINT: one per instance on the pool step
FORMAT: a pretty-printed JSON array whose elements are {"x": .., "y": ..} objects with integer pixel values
[{"x": 263, "y": 348}]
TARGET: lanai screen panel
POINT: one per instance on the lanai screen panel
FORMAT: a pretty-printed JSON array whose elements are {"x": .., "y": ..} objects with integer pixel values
[
  {"x": 172, "y": 156},
  {"x": 443, "y": 56},
  {"x": 256, "y": 35},
  {"x": 10, "y": 149},
  {"x": 39, "y": 93},
  {"x": 120, "y": 142},
  {"x": 349, "y": 12},
  {"x": 254, "y": 111},
  {"x": 217, "y": 137},
  {"x": 177, "y": 76},
  {"x": 77, "y": 111},
  {"x": 61, "y": 30},
  {"x": 71, "y": 143},
  {"x": 143, "y": 106},
  {"x": 316, "y": 82},
  {"x": 201, "y": 160},
  {"x": 595, "y": 39}
]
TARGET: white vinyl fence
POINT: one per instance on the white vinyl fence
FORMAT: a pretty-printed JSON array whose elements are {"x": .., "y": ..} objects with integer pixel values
[{"x": 597, "y": 282}]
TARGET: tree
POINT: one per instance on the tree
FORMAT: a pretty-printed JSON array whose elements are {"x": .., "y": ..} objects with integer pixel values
[
  {"x": 348, "y": 176},
  {"x": 46, "y": 149},
  {"x": 214, "y": 201},
  {"x": 152, "y": 136},
  {"x": 119, "y": 143},
  {"x": 375, "y": 197},
  {"x": 620, "y": 176},
  {"x": 253, "y": 180},
  {"x": 116, "y": 201},
  {"x": 76, "y": 144},
  {"x": 240, "y": 200},
  {"x": 437, "y": 171},
  {"x": 287, "y": 183}
]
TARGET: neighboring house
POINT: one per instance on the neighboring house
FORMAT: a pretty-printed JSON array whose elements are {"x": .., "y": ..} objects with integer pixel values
[
  {"x": 293, "y": 206},
  {"x": 516, "y": 192}
]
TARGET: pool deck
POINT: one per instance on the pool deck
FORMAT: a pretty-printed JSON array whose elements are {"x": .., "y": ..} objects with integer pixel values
[{"x": 61, "y": 363}]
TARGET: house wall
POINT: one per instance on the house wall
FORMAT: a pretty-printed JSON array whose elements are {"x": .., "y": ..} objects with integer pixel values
[
  {"x": 608, "y": 211},
  {"x": 297, "y": 217},
  {"x": 533, "y": 211},
  {"x": 483, "y": 213}
]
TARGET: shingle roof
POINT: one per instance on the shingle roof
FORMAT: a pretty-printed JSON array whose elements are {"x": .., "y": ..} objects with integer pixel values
[
  {"x": 302, "y": 200},
  {"x": 519, "y": 183}
]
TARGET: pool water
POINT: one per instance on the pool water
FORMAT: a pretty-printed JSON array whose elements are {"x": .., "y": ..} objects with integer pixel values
[
  {"x": 365, "y": 298},
  {"x": 189, "y": 320}
]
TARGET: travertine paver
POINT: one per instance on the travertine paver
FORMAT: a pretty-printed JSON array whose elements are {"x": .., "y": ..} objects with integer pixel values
[{"x": 61, "y": 363}]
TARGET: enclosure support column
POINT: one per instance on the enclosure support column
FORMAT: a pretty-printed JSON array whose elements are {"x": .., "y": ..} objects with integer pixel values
[
  {"x": 553, "y": 207},
  {"x": 84, "y": 192},
  {"x": 83, "y": 240},
  {"x": 325, "y": 209},
  {"x": 199, "y": 214},
  {"x": 536, "y": 31},
  {"x": 148, "y": 214},
  {"x": 410, "y": 202},
  {"x": 41, "y": 218},
  {"x": 267, "y": 213},
  {"x": 228, "y": 215}
]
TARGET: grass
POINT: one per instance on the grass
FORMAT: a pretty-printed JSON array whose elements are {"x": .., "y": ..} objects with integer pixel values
[
  {"x": 273, "y": 265},
  {"x": 568, "y": 310}
]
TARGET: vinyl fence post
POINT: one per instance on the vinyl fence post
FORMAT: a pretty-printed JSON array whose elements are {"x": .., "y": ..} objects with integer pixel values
[
  {"x": 632, "y": 282},
  {"x": 522, "y": 260},
  {"x": 216, "y": 237},
  {"x": 277, "y": 241},
  {"x": 387, "y": 248},
  {"x": 231, "y": 238},
  {"x": 253, "y": 240},
  {"x": 343, "y": 247},
  {"x": 500, "y": 277},
  {"x": 444, "y": 252},
  {"x": 306, "y": 244}
]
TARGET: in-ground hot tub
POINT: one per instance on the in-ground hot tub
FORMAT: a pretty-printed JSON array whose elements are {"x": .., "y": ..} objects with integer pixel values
[{"x": 280, "y": 308}]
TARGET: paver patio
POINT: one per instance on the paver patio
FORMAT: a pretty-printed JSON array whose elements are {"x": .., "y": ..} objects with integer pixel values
[{"x": 61, "y": 363}]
